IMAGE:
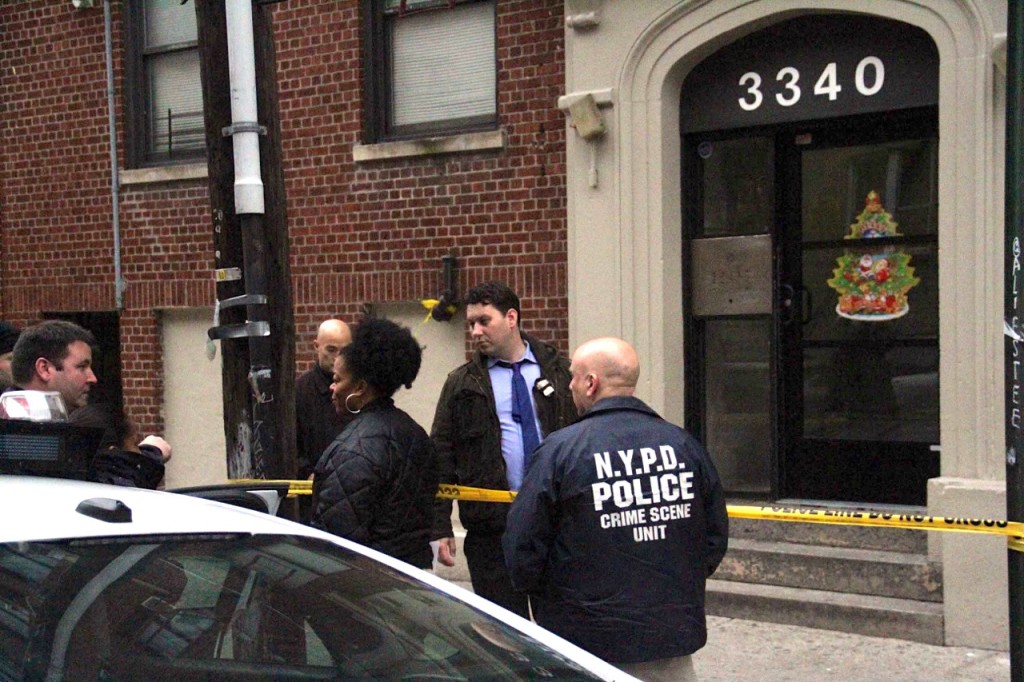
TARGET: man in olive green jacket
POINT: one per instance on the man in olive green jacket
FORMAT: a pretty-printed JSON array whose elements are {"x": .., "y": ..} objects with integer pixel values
[{"x": 479, "y": 438}]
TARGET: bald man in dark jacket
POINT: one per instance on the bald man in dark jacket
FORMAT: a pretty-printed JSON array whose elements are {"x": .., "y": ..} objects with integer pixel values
[{"x": 618, "y": 524}]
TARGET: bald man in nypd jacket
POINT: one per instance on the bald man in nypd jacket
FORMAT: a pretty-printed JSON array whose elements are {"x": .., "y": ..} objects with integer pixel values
[{"x": 619, "y": 522}]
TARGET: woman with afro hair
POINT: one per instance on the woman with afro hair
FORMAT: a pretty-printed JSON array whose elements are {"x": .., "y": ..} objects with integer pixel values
[{"x": 375, "y": 484}]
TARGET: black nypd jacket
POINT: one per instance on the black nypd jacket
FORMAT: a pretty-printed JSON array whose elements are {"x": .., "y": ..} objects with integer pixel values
[
  {"x": 619, "y": 522},
  {"x": 375, "y": 484},
  {"x": 467, "y": 434}
]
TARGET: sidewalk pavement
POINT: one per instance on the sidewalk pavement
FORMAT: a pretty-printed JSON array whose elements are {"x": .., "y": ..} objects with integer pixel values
[
  {"x": 742, "y": 650},
  {"x": 755, "y": 651}
]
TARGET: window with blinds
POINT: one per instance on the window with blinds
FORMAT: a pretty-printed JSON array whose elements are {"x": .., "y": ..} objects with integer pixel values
[
  {"x": 173, "y": 128},
  {"x": 436, "y": 67}
]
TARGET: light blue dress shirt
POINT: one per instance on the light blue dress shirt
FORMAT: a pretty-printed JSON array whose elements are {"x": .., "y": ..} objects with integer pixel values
[{"x": 511, "y": 432}]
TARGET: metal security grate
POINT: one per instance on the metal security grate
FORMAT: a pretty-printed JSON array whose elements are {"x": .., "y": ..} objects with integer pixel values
[{"x": 30, "y": 447}]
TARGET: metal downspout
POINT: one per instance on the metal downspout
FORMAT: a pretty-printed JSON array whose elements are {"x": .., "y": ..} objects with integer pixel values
[{"x": 115, "y": 179}]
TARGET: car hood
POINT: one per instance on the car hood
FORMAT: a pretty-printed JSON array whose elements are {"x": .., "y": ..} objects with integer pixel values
[{"x": 41, "y": 509}]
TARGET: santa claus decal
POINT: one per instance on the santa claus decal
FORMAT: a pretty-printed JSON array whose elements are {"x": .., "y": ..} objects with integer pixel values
[{"x": 873, "y": 287}]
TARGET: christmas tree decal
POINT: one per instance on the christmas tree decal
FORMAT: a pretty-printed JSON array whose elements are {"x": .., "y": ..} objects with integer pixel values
[{"x": 873, "y": 287}]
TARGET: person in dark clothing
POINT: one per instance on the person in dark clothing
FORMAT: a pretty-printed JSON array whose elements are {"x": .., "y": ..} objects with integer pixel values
[
  {"x": 317, "y": 423},
  {"x": 375, "y": 484},
  {"x": 56, "y": 355},
  {"x": 123, "y": 459},
  {"x": 620, "y": 521},
  {"x": 483, "y": 436}
]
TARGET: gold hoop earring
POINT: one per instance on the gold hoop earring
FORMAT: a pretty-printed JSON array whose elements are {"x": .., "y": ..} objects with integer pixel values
[{"x": 351, "y": 411}]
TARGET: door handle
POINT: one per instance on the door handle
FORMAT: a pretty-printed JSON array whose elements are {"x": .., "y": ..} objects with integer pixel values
[
  {"x": 806, "y": 305},
  {"x": 786, "y": 303},
  {"x": 790, "y": 307}
]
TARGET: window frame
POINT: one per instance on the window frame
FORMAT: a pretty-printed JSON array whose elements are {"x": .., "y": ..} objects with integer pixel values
[
  {"x": 136, "y": 89},
  {"x": 377, "y": 66}
]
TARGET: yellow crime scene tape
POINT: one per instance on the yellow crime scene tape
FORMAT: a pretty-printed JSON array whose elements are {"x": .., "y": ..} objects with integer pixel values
[
  {"x": 860, "y": 517},
  {"x": 1012, "y": 530},
  {"x": 444, "y": 491}
]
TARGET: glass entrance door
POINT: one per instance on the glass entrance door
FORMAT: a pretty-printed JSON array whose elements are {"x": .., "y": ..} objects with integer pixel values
[
  {"x": 858, "y": 313},
  {"x": 812, "y": 333},
  {"x": 729, "y": 329}
]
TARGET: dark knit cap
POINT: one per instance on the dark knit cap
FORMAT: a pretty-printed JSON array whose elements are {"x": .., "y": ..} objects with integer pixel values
[{"x": 8, "y": 337}]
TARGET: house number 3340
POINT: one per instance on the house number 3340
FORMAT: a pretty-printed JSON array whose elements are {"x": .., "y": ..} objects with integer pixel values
[{"x": 868, "y": 79}]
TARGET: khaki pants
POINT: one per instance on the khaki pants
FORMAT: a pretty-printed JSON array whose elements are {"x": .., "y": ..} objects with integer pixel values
[{"x": 679, "y": 669}]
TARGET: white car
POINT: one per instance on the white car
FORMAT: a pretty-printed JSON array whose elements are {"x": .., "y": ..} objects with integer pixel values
[{"x": 107, "y": 583}]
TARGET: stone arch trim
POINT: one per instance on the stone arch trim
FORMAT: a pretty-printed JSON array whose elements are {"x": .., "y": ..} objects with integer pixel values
[
  {"x": 682, "y": 36},
  {"x": 649, "y": 207}
]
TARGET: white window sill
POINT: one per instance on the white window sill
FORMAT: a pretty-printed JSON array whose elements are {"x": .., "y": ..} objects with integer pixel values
[
  {"x": 427, "y": 146},
  {"x": 142, "y": 176}
]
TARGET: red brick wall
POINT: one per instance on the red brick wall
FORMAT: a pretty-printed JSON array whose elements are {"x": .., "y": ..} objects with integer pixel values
[
  {"x": 377, "y": 231},
  {"x": 359, "y": 233},
  {"x": 54, "y": 160}
]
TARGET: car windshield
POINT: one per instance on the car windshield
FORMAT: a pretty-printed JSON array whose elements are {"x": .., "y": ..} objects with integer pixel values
[{"x": 241, "y": 607}]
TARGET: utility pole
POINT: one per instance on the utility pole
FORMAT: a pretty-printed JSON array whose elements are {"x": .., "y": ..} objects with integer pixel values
[
  {"x": 250, "y": 239},
  {"x": 1013, "y": 287}
]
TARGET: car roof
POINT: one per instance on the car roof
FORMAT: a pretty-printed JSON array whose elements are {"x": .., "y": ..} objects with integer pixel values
[{"x": 39, "y": 508}]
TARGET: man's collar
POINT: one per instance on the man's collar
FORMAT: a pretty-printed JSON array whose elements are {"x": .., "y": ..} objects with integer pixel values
[
  {"x": 322, "y": 380},
  {"x": 621, "y": 402},
  {"x": 528, "y": 356}
]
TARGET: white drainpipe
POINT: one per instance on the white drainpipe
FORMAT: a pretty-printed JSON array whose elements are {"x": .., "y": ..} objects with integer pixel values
[{"x": 245, "y": 138}]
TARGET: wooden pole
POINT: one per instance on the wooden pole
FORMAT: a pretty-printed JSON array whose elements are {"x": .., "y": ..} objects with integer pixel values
[{"x": 264, "y": 448}]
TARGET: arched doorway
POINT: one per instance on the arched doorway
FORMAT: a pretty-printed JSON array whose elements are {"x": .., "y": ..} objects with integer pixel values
[{"x": 810, "y": 162}]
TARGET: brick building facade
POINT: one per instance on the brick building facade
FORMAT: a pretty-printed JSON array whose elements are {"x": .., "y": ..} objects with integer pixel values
[{"x": 360, "y": 232}]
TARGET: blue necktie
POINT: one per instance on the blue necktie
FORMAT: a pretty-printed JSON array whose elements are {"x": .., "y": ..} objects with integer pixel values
[{"x": 522, "y": 411}]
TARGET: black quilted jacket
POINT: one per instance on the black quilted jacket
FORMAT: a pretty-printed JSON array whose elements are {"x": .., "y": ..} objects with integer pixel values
[{"x": 375, "y": 484}]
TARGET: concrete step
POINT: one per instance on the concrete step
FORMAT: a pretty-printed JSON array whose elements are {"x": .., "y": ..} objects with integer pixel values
[
  {"x": 899, "y": 575},
  {"x": 907, "y": 619},
  {"x": 861, "y": 537}
]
